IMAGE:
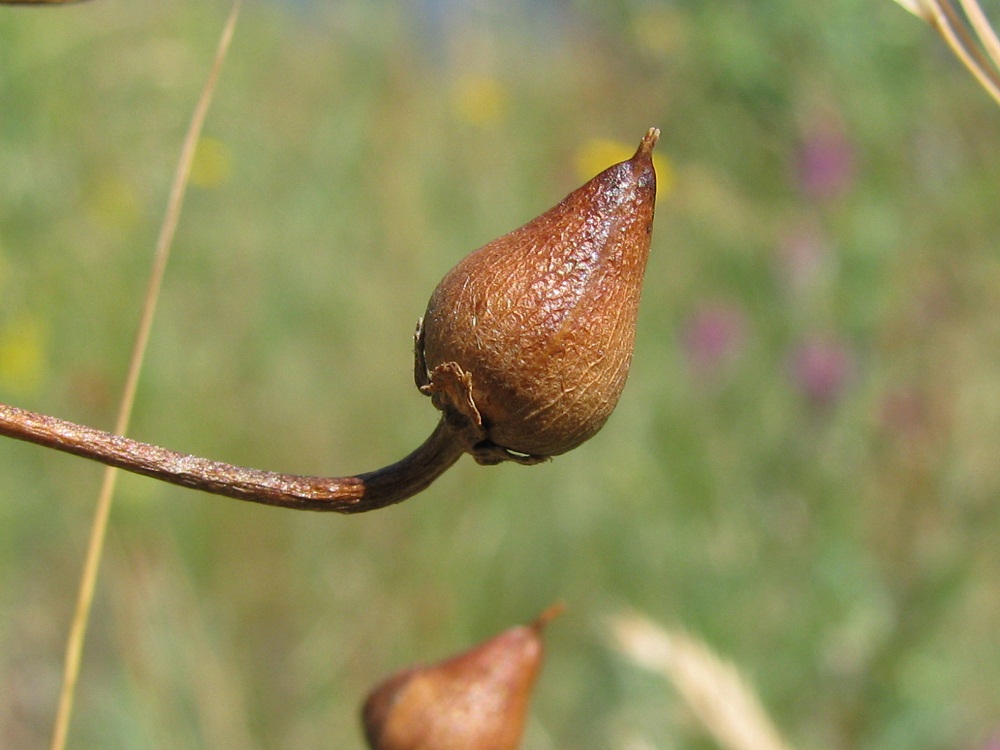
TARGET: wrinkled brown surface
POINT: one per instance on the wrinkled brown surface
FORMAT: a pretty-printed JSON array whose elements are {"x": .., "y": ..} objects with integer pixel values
[
  {"x": 477, "y": 700},
  {"x": 544, "y": 318},
  {"x": 525, "y": 349}
]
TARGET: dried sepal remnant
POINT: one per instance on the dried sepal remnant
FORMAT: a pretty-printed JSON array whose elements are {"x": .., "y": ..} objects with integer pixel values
[
  {"x": 524, "y": 348},
  {"x": 476, "y": 700},
  {"x": 527, "y": 342}
]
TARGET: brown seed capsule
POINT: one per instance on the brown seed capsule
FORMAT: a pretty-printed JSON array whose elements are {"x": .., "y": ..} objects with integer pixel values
[
  {"x": 527, "y": 342},
  {"x": 525, "y": 347},
  {"x": 477, "y": 700}
]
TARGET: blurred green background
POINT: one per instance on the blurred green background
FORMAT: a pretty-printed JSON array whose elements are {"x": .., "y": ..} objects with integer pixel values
[{"x": 803, "y": 469}]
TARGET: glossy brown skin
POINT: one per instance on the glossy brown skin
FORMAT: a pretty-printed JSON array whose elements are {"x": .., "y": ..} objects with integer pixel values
[
  {"x": 543, "y": 319},
  {"x": 525, "y": 349},
  {"x": 477, "y": 700}
]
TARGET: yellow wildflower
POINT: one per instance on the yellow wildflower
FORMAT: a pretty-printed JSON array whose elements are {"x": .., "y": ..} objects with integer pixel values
[
  {"x": 112, "y": 202},
  {"x": 22, "y": 354},
  {"x": 212, "y": 163},
  {"x": 479, "y": 100},
  {"x": 659, "y": 32}
]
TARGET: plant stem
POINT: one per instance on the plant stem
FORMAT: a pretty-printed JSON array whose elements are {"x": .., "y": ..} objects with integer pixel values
[{"x": 352, "y": 494}]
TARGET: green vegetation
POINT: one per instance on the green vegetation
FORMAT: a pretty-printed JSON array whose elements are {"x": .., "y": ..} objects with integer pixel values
[{"x": 803, "y": 468}]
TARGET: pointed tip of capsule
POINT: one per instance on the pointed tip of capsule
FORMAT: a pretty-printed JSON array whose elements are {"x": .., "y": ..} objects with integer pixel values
[
  {"x": 551, "y": 613},
  {"x": 642, "y": 162},
  {"x": 473, "y": 700},
  {"x": 648, "y": 142}
]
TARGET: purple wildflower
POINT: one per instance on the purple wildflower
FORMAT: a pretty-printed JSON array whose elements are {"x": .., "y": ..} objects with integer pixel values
[
  {"x": 821, "y": 368},
  {"x": 713, "y": 336},
  {"x": 825, "y": 163}
]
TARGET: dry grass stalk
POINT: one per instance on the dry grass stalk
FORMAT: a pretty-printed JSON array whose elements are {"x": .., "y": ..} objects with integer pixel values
[
  {"x": 969, "y": 34},
  {"x": 95, "y": 545},
  {"x": 714, "y": 691}
]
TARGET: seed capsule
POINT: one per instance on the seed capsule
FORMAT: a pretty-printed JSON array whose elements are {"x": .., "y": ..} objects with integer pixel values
[
  {"x": 477, "y": 700},
  {"x": 527, "y": 342},
  {"x": 524, "y": 348}
]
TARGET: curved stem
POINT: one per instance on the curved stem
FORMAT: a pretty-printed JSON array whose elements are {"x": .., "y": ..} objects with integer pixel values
[{"x": 354, "y": 494}]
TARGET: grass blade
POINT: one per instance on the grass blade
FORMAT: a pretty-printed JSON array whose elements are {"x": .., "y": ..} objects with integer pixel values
[
  {"x": 946, "y": 20},
  {"x": 917, "y": 8},
  {"x": 953, "y": 28},
  {"x": 713, "y": 690},
  {"x": 95, "y": 545},
  {"x": 981, "y": 25}
]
